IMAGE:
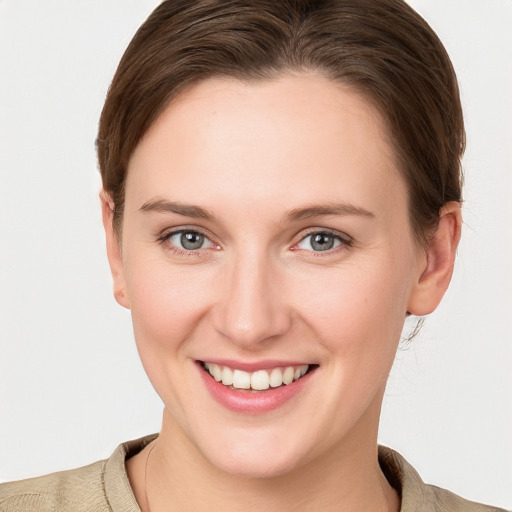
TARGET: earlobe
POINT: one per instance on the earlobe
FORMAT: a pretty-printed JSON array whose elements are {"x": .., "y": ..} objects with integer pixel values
[
  {"x": 114, "y": 251},
  {"x": 436, "y": 267}
]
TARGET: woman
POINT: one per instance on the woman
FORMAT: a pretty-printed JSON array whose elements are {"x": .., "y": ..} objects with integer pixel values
[{"x": 281, "y": 189}]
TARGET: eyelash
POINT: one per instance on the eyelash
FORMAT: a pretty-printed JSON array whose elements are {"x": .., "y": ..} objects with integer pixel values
[
  {"x": 165, "y": 237},
  {"x": 344, "y": 241}
]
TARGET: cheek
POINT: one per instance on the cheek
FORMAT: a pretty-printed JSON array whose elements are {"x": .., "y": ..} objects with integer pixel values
[
  {"x": 356, "y": 309},
  {"x": 167, "y": 305},
  {"x": 166, "y": 301}
]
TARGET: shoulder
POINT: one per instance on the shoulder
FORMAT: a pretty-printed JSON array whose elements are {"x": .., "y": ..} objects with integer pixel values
[
  {"x": 446, "y": 500},
  {"x": 76, "y": 490},
  {"x": 100, "y": 487},
  {"x": 416, "y": 495}
]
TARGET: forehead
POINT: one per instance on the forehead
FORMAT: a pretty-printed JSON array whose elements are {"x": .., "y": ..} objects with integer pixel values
[{"x": 293, "y": 139}]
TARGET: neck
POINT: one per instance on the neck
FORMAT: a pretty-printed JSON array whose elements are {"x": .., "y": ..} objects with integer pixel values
[{"x": 178, "y": 477}]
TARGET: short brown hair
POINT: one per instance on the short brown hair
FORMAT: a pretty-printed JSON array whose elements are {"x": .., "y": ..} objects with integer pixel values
[{"x": 382, "y": 48}]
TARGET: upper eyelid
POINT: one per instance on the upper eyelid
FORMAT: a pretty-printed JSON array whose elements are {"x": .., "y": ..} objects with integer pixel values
[
  {"x": 166, "y": 233},
  {"x": 317, "y": 230}
]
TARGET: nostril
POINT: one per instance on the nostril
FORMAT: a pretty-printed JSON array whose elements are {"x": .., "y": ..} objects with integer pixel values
[{"x": 251, "y": 309}]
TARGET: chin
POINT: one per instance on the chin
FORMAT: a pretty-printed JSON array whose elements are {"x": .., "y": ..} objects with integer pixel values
[
  {"x": 266, "y": 466},
  {"x": 256, "y": 457}
]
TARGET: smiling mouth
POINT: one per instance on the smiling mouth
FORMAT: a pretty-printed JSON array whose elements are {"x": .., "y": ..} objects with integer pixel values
[{"x": 261, "y": 380}]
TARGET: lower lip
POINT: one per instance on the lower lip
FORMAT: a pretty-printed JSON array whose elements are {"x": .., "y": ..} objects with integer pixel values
[{"x": 244, "y": 401}]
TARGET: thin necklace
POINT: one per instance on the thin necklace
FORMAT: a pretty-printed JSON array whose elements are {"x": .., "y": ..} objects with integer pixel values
[{"x": 145, "y": 478}]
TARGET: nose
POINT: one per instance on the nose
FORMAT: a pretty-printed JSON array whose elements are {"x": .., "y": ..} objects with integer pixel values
[{"x": 252, "y": 308}]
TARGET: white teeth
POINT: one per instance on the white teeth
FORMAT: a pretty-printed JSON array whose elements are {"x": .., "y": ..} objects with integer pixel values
[
  {"x": 227, "y": 376},
  {"x": 217, "y": 374},
  {"x": 276, "y": 378},
  {"x": 259, "y": 380},
  {"x": 241, "y": 379},
  {"x": 214, "y": 370},
  {"x": 288, "y": 375}
]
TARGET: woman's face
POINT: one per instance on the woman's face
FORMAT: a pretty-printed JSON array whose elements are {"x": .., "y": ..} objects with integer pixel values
[{"x": 266, "y": 227}]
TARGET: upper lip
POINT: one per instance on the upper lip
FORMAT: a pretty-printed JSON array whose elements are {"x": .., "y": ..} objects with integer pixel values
[{"x": 256, "y": 365}]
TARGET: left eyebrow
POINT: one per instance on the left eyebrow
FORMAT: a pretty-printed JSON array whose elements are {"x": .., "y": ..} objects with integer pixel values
[
  {"x": 187, "y": 210},
  {"x": 327, "y": 209}
]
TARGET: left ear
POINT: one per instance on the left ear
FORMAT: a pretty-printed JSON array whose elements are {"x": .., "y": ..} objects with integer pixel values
[
  {"x": 436, "y": 268},
  {"x": 115, "y": 258}
]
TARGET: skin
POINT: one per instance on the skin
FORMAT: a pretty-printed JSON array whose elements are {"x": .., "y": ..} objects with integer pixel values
[{"x": 249, "y": 154}]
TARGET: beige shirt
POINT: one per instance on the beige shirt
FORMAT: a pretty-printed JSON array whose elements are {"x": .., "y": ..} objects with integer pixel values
[{"x": 104, "y": 487}]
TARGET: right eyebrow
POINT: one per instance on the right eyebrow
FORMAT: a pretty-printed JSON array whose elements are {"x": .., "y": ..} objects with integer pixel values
[
  {"x": 187, "y": 210},
  {"x": 327, "y": 209}
]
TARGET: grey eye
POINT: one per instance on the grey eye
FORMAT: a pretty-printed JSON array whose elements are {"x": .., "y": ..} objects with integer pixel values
[
  {"x": 319, "y": 242},
  {"x": 189, "y": 240},
  {"x": 322, "y": 242}
]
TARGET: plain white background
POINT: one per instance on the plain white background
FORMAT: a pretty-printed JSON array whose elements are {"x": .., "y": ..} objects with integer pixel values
[{"x": 71, "y": 385}]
